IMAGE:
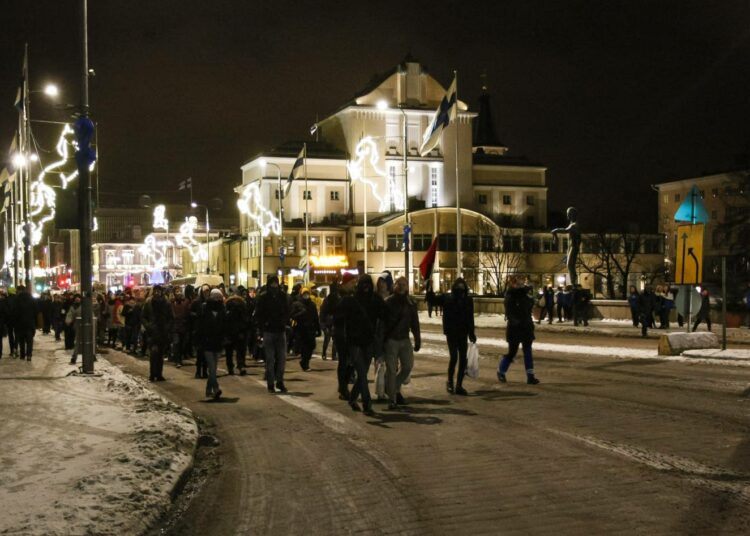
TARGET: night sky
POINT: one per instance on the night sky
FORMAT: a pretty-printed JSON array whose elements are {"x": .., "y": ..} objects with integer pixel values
[{"x": 610, "y": 96}]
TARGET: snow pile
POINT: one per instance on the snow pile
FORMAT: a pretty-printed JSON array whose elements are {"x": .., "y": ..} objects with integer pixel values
[
  {"x": 86, "y": 455},
  {"x": 676, "y": 343},
  {"x": 731, "y": 353}
]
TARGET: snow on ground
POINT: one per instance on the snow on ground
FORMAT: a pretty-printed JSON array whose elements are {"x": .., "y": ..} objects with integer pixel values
[
  {"x": 86, "y": 455},
  {"x": 719, "y": 354}
]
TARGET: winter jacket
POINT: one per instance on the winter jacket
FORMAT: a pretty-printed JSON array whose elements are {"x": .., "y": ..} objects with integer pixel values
[
  {"x": 458, "y": 314},
  {"x": 400, "y": 318},
  {"x": 705, "y": 309},
  {"x": 180, "y": 315},
  {"x": 237, "y": 317},
  {"x": 211, "y": 326},
  {"x": 633, "y": 301},
  {"x": 117, "y": 319},
  {"x": 26, "y": 309},
  {"x": 646, "y": 303},
  {"x": 4, "y": 312},
  {"x": 74, "y": 312},
  {"x": 518, "y": 308},
  {"x": 157, "y": 319},
  {"x": 272, "y": 311},
  {"x": 362, "y": 313},
  {"x": 305, "y": 313}
]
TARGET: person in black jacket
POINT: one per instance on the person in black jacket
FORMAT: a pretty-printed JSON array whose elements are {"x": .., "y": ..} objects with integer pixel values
[
  {"x": 211, "y": 334},
  {"x": 305, "y": 314},
  {"x": 26, "y": 310},
  {"x": 45, "y": 307},
  {"x": 272, "y": 317},
  {"x": 3, "y": 318},
  {"x": 343, "y": 370},
  {"x": 519, "y": 329},
  {"x": 646, "y": 310},
  {"x": 157, "y": 322},
  {"x": 201, "y": 371},
  {"x": 704, "y": 313},
  {"x": 458, "y": 325},
  {"x": 362, "y": 311},
  {"x": 58, "y": 317},
  {"x": 400, "y": 318},
  {"x": 237, "y": 327},
  {"x": 11, "y": 320},
  {"x": 326, "y": 320}
]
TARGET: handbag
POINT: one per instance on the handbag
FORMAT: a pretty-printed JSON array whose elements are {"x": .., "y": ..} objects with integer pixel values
[{"x": 472, "y": 356}]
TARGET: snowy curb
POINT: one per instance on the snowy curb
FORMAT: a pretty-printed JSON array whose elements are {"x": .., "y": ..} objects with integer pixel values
[
  {"x": 107, "y": 454},
  {"x": 732, "y": 354}
]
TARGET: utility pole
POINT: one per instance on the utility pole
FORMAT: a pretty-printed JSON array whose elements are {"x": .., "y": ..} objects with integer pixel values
[{"x": 84, "y": 134}]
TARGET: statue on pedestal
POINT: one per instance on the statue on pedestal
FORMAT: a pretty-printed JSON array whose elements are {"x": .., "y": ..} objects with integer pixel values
[{"x": 574, "y": 243}]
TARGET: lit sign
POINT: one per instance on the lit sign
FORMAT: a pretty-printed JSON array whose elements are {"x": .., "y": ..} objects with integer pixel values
[{"x": 329, "y": 261}]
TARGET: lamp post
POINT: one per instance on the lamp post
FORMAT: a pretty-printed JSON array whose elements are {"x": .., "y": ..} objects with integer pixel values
[
  {"x": 264, "y": 163},
  {"x": 193, "y": 204}
]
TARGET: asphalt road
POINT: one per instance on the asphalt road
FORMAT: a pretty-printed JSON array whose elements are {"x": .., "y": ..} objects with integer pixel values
[{"x": 601, "y": 446}]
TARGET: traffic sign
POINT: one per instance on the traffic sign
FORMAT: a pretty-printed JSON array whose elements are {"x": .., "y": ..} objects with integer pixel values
[
  {"x": 692, "y": 210},
  {"x": 689, "y": 266}
]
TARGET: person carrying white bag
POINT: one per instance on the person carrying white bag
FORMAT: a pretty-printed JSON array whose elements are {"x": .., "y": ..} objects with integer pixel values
[
  {"x": 472, "y": 359},
  {"x": 458, "y": 326}
]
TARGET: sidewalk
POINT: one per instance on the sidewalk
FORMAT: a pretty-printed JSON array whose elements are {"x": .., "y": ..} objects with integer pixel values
[
  {"x": 86, "y": 455},
  {"x": 609, "y": 328}
]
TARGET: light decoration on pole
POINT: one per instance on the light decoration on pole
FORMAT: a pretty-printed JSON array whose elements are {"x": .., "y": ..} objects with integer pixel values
[
  {"x": 154, "y": 249},
  {"x": 250, "y": 205},
  {"x": 365, "y": 152},
  {"x": 186, "y": 240}
]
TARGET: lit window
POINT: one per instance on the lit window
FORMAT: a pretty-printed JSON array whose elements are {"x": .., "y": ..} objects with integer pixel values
[
  {"x": 334, "y": 245},
  {"x": 314, "y": 245},
  {"x": 434, "y": 186}
]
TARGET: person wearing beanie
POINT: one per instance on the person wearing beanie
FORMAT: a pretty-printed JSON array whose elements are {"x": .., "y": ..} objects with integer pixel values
[
  {"x": 211, "y": 332},
  {"x": 305, "y": 314},
  {"x": 458, "y": 326},
  {"x": 272, "y": 316},
  {"x": 519, "y": 330}
]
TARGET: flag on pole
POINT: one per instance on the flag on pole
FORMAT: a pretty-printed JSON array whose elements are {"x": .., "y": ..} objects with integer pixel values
[
  {"x": 187, "y": 184},
  {"x": 445, "y": 113},
  {"x": 18, "y": 103},
  {"x": 296, "y": 168},
  {"x": 6, "y": 193},
  {"x": 425, "y": 267}
]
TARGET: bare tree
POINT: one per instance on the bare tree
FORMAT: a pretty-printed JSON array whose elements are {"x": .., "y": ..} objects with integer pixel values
[
  {"x": 496, "y": 255},
  {"x": 611, "y": 256}
]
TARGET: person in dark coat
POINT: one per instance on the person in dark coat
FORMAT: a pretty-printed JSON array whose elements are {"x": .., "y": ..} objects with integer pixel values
[
  {"x": 251, "y": 301},
  {"x": 646, "y": 310},
  {"x": 3, "y": 318},
  {"x": 157, "y": 322},
  {"x": 237, "y": 326},
  {"x": 26, "y": 309},
  {"x": 548, "y": 304},
  {"x": 362, "y": 311},
  {"x": 45, "y": 307},
  {"x": 11, "y": 321},
  {"x": 211, "y": 332},
  {"x": 344, "y": 369},
  {"x": 458, "y": 326},
  {"x": 581, "y": 305},
  {"x": 72, "y": 311},
  {"x": 704, "y": 313},
  {"x": 201, "y": 371},
  {"x": 429, "y": 297},
  {"x": 326, "y": 320},
  {"x": 633, "y": 304},
  {"x": 400, "y": 318},
  {"x": 519, "y": 330},
  {"x": 272, "y": 317},
  {"x": 560, "y": 301},
  {"x": 305, "y": 314},
  {"x": 181, "y": 317},
  {"x": 58, "y": 318}
]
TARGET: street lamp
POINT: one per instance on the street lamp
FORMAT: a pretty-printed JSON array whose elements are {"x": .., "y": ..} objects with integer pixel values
[
  {"x": 193, "y": 204},
  {"x": 382, "y": 105},
  {"x": 282, "y": 247}
]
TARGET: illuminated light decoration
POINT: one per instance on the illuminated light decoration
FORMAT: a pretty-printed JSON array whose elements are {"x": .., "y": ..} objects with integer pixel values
[
  {"x": 250, "y": 205},
  {"x": 160, "y": 222},
  {"x": 186, "y": 240},
  {"x": 153, "y": 248},
  {"x": 329, "y": 261},
  {"x": 366, "y": 150}
]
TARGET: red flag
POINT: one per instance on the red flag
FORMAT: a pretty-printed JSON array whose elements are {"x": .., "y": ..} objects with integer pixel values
[{"x": 425, "y": 267}]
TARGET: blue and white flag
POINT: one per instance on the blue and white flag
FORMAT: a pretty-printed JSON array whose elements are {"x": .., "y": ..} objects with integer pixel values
[
  {"x": 296, "y": 168},
  {"x": 187, "y": 184},
  {"x": 445, "y": 113},
  {"x": 5, "y": 179}
]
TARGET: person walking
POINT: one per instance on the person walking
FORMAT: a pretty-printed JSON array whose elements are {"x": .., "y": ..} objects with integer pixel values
[
  {"x": 326, "y": 320},
  {"x": 548, "y": 305},
  {"x": 58, "y": 319},
  {"x": 400, "y": 318},
  {"x": 237, "y": 326},
  {"x": 157, "y": 323},
  {"x": 272, "y": 318},
  {"x": 633, "y": 297},
  {"x": 26, "y": 310},
  {"x": 363, "y": 311},
  {"x": 344, "y": 369},
  {"x": 3, "y": 318},
  {"x": 211, "y": 333},
  {"x": 180, "y": 315},
  {"x": 519, "y": 330},
  {"x": 704, "y": 313},
  {"x": 11, "y": 321},
  {"x": 305, "y": 315},
  {"x": 45, "y": 307},
  {"x": 458, "y": 326},
  {"x": 72, "y": 314},
  {"x": 646, "y": 310},
  {"x": 429, "y": 297},
  {"x": 201, "y": 371}
]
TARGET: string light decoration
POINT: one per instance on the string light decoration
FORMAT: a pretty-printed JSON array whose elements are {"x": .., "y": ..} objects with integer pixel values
[
  {"x": 186, "y": 240},
  {"x": 366, "y": 151},
  {"x": 250, "y": 205},
  {"x": 153, "y": 249}
]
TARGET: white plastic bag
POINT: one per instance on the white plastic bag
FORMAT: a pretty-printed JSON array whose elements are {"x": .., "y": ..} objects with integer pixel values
[
  {"x": 472, "y": 356},
  {"x": 380, "y": 378}
]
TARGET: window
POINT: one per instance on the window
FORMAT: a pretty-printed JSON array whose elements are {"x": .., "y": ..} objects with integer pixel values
[
  {"x": 447, "y": 242},
  {"x": 334, "y": 245},
  {"x": 268, "y": 246},
  {"x": 487, "y": 243},
  {"x": 653, "y": 245},
  {"x": 334, "y": 195},
  {"x": 434, "y": 186},
  {"x": 395, "y": 241},
  {"x": 359, "y": 243},
  {"x": 421, "y": 242},
  {"x": 127, "y": 257},
  {"x": 137, "y": 233},
  {"x": 547, "y": 245},
  {"x": 392, "y": 186},
  {"x": 469, "y": 243},
  {"x": 392, "y": 134},
  {"x": 290, "y": 244},
  {"x": 511, "y": 243},
  {"x": 276, "y": 192},
  {"x": 307, "y": 194},
  {"x": 665, "y": 199},
  {"x": 482, "y": 198},
  {"x": 530, "y": 200},
  {"x": 507, "y": 200},
  {"x": 676, "y": 198},
  {"x": 314, "y": 245}
]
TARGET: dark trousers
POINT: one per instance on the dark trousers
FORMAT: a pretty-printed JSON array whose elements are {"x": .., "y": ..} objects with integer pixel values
[
  {"x": 528, "y": 360},
  {"x": 664, "y": 318},
  {"x": 179, "y": 347},
  {"x": 327, "y": 338},
  {"x": 702, "y": 318},
  {"x": 156, "y": 359},
  {"x": 306, "y": 343},
  {"x": 548, "y": 311},
  {"x": 238, "y": 346},
  {"x": 58, "y": 326},
  {"x": 70, "y": 337},
  {"x": 343, "y": 371},
  {"x": 25, "y": 338},
  {"x": 457, "y": 347},
  {"x": 635, "y": 316},
  {"x": 12, "y": 339},
  {"x": 201, "y": 367},
  {"x": 645, "y": 324},
  {"x": 360, "y": 358},
  {"x": 47, "y": 324}
]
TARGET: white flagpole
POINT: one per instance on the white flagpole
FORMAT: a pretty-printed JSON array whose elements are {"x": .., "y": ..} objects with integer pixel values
[
  {"x": 459, "y": 263},
  {"x": 307, "y": 216}
]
